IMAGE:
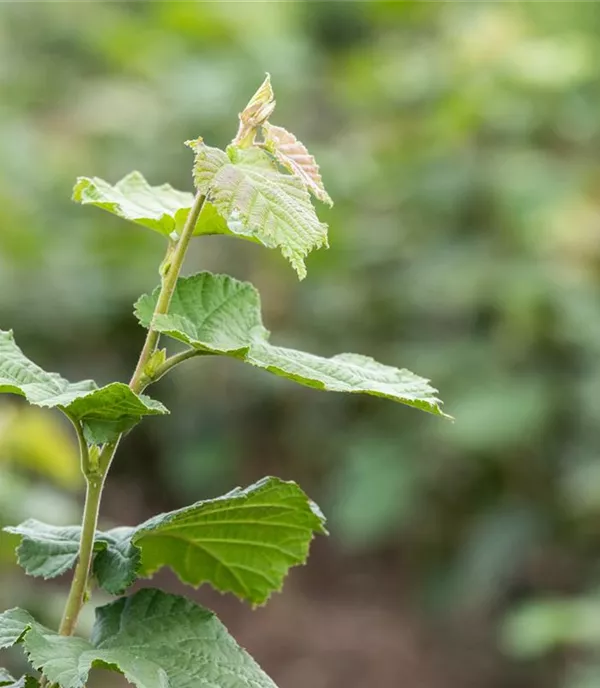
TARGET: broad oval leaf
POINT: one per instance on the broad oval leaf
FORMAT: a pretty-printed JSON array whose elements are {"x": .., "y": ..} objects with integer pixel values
[
  {"x": 154, "y": 639},
  {"x": 258, "y": 202},
  {"x": 161, "y": 208},
  {"x": 104, "y": 411},
  {"x": 220, "y": 315},
  {"x": 294, "y": 156},
  {"x": 243, "y": 542},
  {"x": 230, "y": 314}
]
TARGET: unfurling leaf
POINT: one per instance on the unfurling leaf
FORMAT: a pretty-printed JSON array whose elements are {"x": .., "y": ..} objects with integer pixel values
[
  {"x": 219, "y": 315},
  {"x": 294, "y": 156},
  {"x": 154, "y": 639},
  {"x": 161, "y": 208},
  {"x": 243, "y": 542},
  {"x": 259, "y": 202},
  {"x": 260, "y": 107},
  {"x": 104, "y": 411}
]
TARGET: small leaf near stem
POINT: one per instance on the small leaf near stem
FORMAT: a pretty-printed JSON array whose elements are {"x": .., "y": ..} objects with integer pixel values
[
  {"x": 173, "y": 361},
  {"x": 96, "y": 475}
]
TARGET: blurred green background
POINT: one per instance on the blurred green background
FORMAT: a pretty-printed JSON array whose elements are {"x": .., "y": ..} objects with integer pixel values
[{"x": 461, "y": 144}]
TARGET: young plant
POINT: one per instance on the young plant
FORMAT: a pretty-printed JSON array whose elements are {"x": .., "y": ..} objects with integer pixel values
[{"x": 243, "y": 542}]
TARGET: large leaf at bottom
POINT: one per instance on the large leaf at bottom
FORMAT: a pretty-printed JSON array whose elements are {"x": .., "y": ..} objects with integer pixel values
[
  {"x": 154, "y": 639},
  {"x": 104, "y": 411},
  {"x": 243, "y": 542},
  {"x": 219, "y": 315}
]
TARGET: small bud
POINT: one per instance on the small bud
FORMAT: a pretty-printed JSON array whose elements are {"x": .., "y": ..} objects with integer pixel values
[
  {"x": 173, "y": 236},
  {"x": 260, "y": 107},
  {"x": 154, "y": 363}
]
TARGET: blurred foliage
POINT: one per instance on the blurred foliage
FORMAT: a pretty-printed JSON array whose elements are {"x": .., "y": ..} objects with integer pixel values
[
  {"x": 34, "y": 439},
  {"x": 460, "y": 144}
]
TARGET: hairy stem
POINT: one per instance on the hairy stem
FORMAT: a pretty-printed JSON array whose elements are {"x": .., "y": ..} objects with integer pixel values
[
  {"x": 175, "y": 360},
  {"x": 79, "y": 585},
  {"x": 172, "y": 270},
  {"x": 95, "y": 472}
]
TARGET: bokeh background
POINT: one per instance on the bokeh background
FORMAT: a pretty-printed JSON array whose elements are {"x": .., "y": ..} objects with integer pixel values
[{"x": 461, "y": 144}]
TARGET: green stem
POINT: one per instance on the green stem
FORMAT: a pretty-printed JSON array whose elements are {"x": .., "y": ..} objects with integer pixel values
[
  {"x": 84, "y": 452},
  {"x": 95, "y": 472},
  {"x": 169, "y": 281},
  {"x": 175, "y": 360},
  {"x": 79, "y": 585}
]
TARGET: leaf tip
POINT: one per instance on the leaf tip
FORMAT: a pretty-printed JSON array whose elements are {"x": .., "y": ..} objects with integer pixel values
[{"x": 258, "y": 110}]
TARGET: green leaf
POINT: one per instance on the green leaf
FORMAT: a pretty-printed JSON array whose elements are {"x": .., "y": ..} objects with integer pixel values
[
  {"x": 46, "y": 551},
  {"x": 49, "y": 551},
  {"x": 243, "y": 542},
  {"x": 161, "y": 208},
  {"x": 117, "y": 560},
  {"x": 294, "y": 156},
  {"x": 13, "y": 623},
  {"x": 259, "y": 202},
  {"x": 219, "y": 315},
  {"x": 214, "y": 313},
  {"x": 154, "y": 639},
  {"x": 23, "y": 682},
  {"x": 104, "y": 411},
  {"x": 5, "y": 678}
]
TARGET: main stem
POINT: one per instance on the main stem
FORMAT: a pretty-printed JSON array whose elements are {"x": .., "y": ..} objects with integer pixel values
[
  {"x": 77, "y": 594},
  {"x": 95, "y": 472}
]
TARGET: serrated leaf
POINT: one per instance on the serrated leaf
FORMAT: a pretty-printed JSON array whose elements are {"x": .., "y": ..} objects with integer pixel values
[
  {"x": 215, "y": 310},
  {"x": 46, "y": 551},
  {"x": 208, "y": 161},
  {"x": 243, "y": 542},
  {"x": 13, "y": 623},
  {"x": 117, "y": 560},
  {"x": 161, "y": 208},
  {"x": 219, "y": 315},
  {"x": 154, "y": 639},
  {"x": 49, "y": 551},
  {"x": 104, "y": 411},
  {"x": 258, "y": 202},
  {"x": 294, "y": 156}
]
